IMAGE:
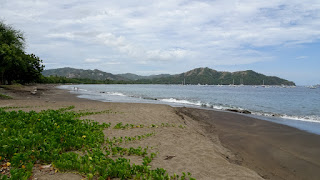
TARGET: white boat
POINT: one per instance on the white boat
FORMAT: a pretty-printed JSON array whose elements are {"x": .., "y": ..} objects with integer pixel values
[{"x": 263, "y": 84}]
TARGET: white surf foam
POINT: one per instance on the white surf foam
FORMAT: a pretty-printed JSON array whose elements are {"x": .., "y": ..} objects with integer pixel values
[
  {"x": 302, "y": 118},
  {"x": 314, "y": 119},
  {"x": 115, "y": 93},
  {"x": 172, "y": 100}
]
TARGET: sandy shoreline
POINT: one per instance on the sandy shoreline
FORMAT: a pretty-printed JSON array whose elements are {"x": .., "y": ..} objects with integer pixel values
[
  {"x": 213, "y": 144},
  {"x": 273, "y": 150}
]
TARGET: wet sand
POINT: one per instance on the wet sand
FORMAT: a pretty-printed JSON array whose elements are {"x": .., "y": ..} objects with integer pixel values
[
  {"x": 212, "y": 144},
  {"x": 273, "y": 150}
]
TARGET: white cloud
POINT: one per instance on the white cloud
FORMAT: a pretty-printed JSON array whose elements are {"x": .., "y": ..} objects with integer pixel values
[
  {"x": 138, "y": 51},
  {"x": 302, "y": 57},
  {"x": 92, "y": 60},
  {"x": 112, "y": 63},
  {"x": 67, "y": 35},
  {"x": 167, "y": 54},
  {"x": 163, "y": 33}
]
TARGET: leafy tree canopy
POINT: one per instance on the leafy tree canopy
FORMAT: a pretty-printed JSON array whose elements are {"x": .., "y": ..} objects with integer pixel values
[{"x": 15, "y": 64}]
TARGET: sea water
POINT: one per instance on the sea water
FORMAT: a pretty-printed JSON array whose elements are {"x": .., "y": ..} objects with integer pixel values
[{"x": 294, "y": 106}]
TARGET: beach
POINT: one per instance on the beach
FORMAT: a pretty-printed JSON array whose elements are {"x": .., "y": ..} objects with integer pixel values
[{"x": 207, "y": 143}]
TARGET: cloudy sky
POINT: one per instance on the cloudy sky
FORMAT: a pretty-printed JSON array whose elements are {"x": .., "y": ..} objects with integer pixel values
[{"x": 274, "y": 37}]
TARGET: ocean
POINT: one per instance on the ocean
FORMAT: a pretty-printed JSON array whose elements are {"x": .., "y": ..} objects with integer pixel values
[{"x": 298, "y": 107}]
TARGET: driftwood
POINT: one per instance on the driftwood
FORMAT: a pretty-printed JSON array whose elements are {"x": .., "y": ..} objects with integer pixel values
[
  {"x": 169, "y": 157},
  {"x": 34, "y": 91},
  {"x": 239, "y": 111}
]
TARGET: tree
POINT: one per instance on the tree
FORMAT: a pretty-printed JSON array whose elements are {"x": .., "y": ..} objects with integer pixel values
[{"x": 15, "y": 64}]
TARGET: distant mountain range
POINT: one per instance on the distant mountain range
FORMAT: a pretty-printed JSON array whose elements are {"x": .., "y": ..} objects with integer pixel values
[
  {"x": 195, "y": 76},
  {"x": 82, "y": 74},
  {"x": 134, "y": 77}
]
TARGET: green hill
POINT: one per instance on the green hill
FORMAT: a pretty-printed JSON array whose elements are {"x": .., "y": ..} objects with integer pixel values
[
  {"x": 213, "y": 77},
  {"x": 82, "y": 74}
]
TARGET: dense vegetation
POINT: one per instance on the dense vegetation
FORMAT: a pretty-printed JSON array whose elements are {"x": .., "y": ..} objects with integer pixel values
[
  {"x": 195, "y": 76},
  {"x": 15, "y": 64},
  {"x": 59, "y": 138}
]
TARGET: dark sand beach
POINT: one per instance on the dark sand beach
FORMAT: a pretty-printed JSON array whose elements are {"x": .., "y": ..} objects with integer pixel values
[
  {"x": 273, "y": 150},
  {"x": 213, "y": 144}
]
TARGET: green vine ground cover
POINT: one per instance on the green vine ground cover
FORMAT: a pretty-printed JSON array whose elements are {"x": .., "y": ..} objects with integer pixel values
[{"x": 54, "y": 137}]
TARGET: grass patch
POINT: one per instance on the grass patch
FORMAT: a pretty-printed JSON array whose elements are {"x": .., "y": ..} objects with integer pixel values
[
  {"x": 3, "y": 96},
  {"x": 53, "y": 136},
  {"x": 131, "y": 126},
  {"x": 12, "y": 87}
]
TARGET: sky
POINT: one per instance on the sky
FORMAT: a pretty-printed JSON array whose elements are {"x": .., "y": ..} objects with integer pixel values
[{"x": 273, "y": 37}]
